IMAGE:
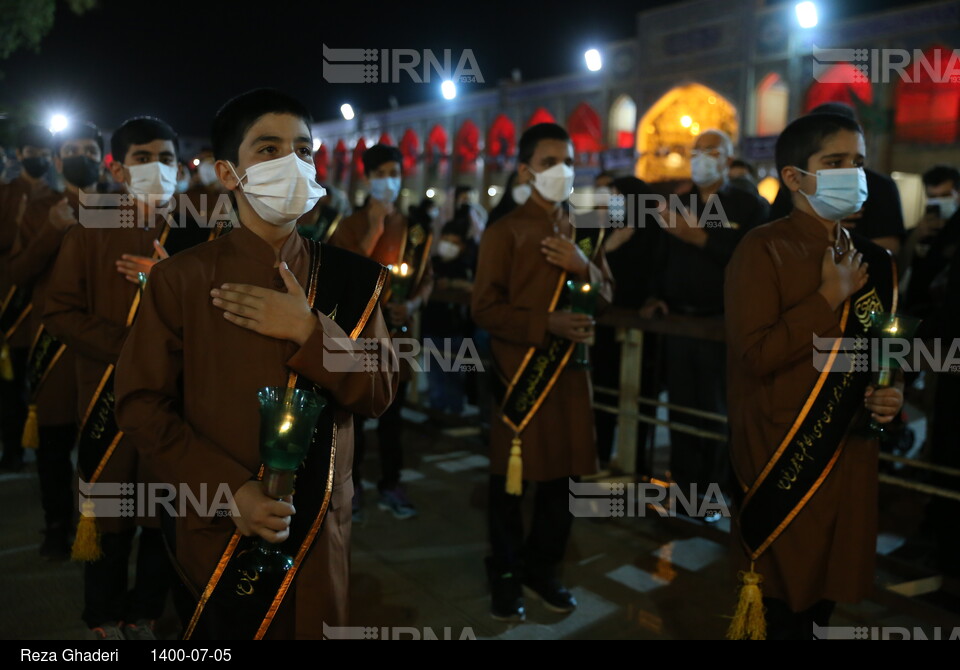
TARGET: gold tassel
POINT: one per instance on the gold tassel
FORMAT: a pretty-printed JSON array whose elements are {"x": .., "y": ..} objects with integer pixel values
[
  {"x": 515, "y": 469},
  {"x": 749, "y": 622},
  {"x": 6, "y": 365},
  {"x": 31, "y": 430},
  {"x": 86, "y": 547}
]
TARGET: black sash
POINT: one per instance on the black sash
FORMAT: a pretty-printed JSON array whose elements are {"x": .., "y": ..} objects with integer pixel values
[
  {"x": 810, "y": 449},
  {"x": 541, "y": 367},
  {"x": 99, "y": 434},
  {"x": 45, "y": 352},
  {"x": 14, "y": 310},
  {"x": 239, "y": 605}
]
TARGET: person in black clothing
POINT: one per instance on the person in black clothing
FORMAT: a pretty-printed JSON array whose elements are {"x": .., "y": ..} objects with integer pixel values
[
  {"x": 943, "y": 513},
  {"x": 933, "y": 243},
  {"x": 881, "y": 219},
  {"x": 445, "y": 324},
  {"x": 630, "y": 245},
  {"x": 688, "y": 280}
]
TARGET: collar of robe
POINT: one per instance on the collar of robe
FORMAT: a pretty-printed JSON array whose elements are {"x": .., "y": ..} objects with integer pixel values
[{"x": 259, "y": 250}]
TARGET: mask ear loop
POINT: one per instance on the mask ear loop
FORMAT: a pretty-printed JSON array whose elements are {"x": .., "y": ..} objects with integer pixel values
[{"x": 239, "y": 180}]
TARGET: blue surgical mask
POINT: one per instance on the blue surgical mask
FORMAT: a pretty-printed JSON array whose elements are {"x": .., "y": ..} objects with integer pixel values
[
  {"x": 840, "y": 192},
  {"x": 385, "y": 189}
]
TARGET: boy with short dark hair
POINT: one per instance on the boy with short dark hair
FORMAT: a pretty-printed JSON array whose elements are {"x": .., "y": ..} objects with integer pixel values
[
  {"x": 33, "y": 151},
  {"x": 378, "y": 230},
  {"x": 51, "y": 373},
  {"x": 544, "y": 432},
  {"x": 90, "y": 303},
  {"x": 259, "y": 307},
  {"x": 808, "y": 517}
]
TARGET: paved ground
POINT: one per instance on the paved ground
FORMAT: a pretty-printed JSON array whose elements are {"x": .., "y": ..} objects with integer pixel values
[{"x": 646, "y": 578}]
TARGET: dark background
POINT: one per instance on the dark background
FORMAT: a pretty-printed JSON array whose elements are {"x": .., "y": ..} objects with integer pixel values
[{"x": 181, "y": 60}]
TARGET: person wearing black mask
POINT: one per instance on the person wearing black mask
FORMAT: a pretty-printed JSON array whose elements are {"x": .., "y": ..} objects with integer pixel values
[
  {"x": 33, "y": 153},
  {"x": 78, "y": 155}
]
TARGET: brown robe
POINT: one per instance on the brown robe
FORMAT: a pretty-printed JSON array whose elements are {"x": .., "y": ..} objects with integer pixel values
[
  {"x": 773, "y": 309},
  {"x": 11, "y": 203},
  {"x": 511, "y": 299},
  {"x": 86, "y": 306},
  {"x": 31, "y": 264},
  {"x": 186, "y": 394}
]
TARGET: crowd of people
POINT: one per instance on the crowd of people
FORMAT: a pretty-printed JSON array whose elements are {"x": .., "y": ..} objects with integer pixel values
[{"x": 135, "y": 339}]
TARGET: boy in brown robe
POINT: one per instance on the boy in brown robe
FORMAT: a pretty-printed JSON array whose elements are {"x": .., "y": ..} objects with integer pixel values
[
  {"x": 78, "y": 156},
  {"x": 33, "y": 152},
  {"x": 221, "y": 321},
  {"x": 808, "y": 521},
  {"x": 380, "y": 232},
  {"x": 89, "y": 305},
  {"x": 522, "y": 261}
]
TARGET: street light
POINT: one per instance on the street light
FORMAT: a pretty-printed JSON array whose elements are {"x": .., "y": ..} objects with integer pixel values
[
  {"x": 806, "y": 14},
  {"x": 448, "y": 89},
  {"x": 58, "y": 122},
  {"x": 431, "y": 192},
  {"x": 346, "y": 110},
  {"x": 594, "y": 62}
]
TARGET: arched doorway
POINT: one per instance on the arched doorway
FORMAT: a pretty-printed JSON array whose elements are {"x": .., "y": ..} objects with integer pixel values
[
  {"x": 772, "y": 100},
  {"x": 668, "y": 130},
  {"x": 585, "y": 129},
  {"x": 623, "y": 122},
  {"x": 410, "y": 148},
  {"x": 321, "y": 161},
  {"x": 501, "y": 141},
  {"x": 541, "y": 115},
  {"x": 467, "y": 146}
]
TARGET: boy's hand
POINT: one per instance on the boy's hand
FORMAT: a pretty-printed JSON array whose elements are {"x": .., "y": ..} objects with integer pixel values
[
  {"x": 263, "y": 516},
  {"x": 131, "y": 266},
  {"x": 285, "y": 316},
  {"x": 883, "y": 404},
  {"x": 570, "y": 326},
  {"x": 840, "y": 280},
  {"x": 565, "y": 254},
  {"x": 61, "y": 215}
]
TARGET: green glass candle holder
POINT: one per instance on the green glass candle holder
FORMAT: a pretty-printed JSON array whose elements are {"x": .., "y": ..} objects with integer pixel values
[
  {"x": 583, "y": 300},
  {"x": 288, "y": 418},
  {"x": 887, "y": 326}
]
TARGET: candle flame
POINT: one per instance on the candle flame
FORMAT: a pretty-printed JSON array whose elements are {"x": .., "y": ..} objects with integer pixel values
[
  {"x": 585, "y": 288},
  {"x": 287, "y": 424},
  {"x": 404, "y": 269}
]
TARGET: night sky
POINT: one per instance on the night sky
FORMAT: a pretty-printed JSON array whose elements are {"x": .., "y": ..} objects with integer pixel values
[{"x": 181, "y": 60}]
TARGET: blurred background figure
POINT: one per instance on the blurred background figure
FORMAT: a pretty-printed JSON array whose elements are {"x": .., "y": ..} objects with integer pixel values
[
  {"x": 631, "y": 244},
  {"x": 446, "y": 324}
]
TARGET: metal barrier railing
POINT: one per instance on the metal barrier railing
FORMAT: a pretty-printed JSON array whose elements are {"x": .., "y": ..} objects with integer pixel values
[{"x": 630, "y": 328}]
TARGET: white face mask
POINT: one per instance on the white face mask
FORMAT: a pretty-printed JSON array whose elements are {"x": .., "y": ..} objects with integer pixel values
[
  {"x": 521, "y": 193},
  {"x": 555, "y": 183},
  {"x": 839, "y": 194},
  {"x": 281, "y": 190},
  {"x": 207, "y": 173},
  {"x": 153, "y": 183},
  {"x": 385, "y": 189},
  {"x": 705, "y": 169},
  {"x": 947, "y": 205},
  {"x": 447, "y": 250}
]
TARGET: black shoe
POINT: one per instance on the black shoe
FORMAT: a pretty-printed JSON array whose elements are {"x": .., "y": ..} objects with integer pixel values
[
  {"x": 555, "y": 597},
  {"x": 506, "y": 596},
  {"x": 56, "y": 544}
]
